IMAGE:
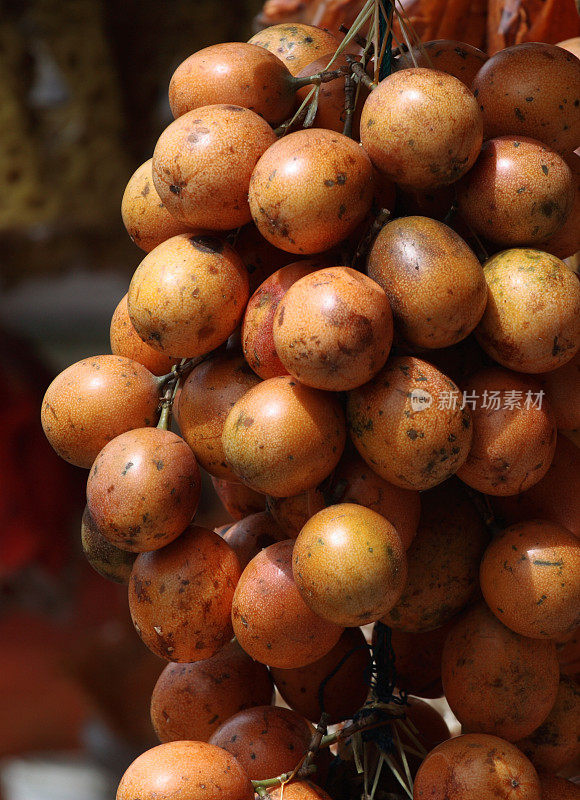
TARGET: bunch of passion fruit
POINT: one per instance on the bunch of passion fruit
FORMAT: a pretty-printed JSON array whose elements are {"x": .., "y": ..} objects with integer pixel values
[{"x": 354, "y": 301}]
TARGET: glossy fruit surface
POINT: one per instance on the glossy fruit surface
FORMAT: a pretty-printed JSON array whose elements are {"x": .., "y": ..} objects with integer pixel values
[
  {"x": 349, "y": 564},
  {"x": 109, "y": 561},
  {"x": 271, "y": 620},
  {"x": 190, "y": 701},
  {"x": 422, "y": 128},
  {"x": 476, "y": 766},
  {"x": 185, "y": 771},
  {"x": 282, "y": 438},
  {"x": 250, "y": 535},
  {"x": 530, "y": 578},
  {"x": 404, "y": 424},
  {"x": 531, "y": 89},
  {"x": 297, "y": 45},
  {"x": 180, "y": 597},
  {"x": 266, "y": 740},
  {"x": 495, "y": 680},
  {"x": 433, "y": 280},
  {"x": 519, "y": 192},
  {"x": 94, "y": 400},
  {"x": 126, "y": 342},
  {"x": 443, "y": 561},
  {"x": 333, "y": 329},
  {"x": 203, "y": 161},
  {"x": 205, "y": 399},
  {"x": 188, "y": 295},
  {"x": 143, "y": 489},
  {"x": 532, "y": 318},
  {"x": 446, "y": 55},
  {"x": 310, "y": 190}
]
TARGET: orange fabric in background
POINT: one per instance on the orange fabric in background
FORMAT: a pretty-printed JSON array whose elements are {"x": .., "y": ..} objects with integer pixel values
[{"x": 514, "y": 21}]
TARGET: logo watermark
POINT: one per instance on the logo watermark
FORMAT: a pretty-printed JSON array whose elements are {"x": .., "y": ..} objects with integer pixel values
[{"x": 508, "y": 400}]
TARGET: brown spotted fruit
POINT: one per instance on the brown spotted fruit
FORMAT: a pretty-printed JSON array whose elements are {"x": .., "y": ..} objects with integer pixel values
[
  {"x": 298, "y": 790},
  {"x": 190, "y": 701},
  {"x": 260, "y": 258},
  {"x": 271, "y": 620},
  {"x": 554, "y": 788},
  {"x": 266, "y": 740},
  {"x": 147, "y": 220},
  {"x": 188, "y": 295},
  {"x": 418, "y": 660},
  {"x": 237, "y": 499},
  {"x": 340, "y": 678},
  {"x": 180, "y": 597},
  {"x": 349, "y": 564},
  {"x": 443, "y": 559},
  {"x": 530, "y": 579},
  {"x": 251, "y": 534},
  {"x": 406, "y": 426},
  {"x": 531, "y": 89},
  {"x": 185, "y": 771},
  {"x": 257, "y": 327},
  {"x": 237, "y": 73},
  {"x": 292, "y": 513},
  {"x": 282, "y": 438},
  {"x": 203, "y": 161},
  {"x": 565, "y": 243},
  {"x": 143, "y": 489},
  {"x": 519, "y": 192},
  {"x": 422, "y": 128},
  {"x": 310, "y": 190},
  {"x": 433, "y": 280},
  {"x": 333, "y": 329},
  {"x": 495, "y": 680},
  {"x": 562, "y": 388},
  {"x": 432, "y": 728},
  {"x": 556, "y": 743},
  {"x": 446, "y": 55},
  {"x": 205, "y": 400},
  {"x": 109, "y": 561},
  {"x": 514, "y": 432},
  {"x": 532, "y": 319},
  {"x": 355, "y": 482},
  {"x": 476, "y": 766},
  {"x": 297, "y": 45},
  {"x": 94, "y": 400},
  {"x": 125, "y": 341}
]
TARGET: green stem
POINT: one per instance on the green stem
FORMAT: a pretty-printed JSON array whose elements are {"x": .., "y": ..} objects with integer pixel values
[{"x": 318, "y": 78}]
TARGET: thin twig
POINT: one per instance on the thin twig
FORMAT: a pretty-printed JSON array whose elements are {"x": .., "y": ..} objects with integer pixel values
[
  {"x": 349, "y": 104},
  {"x": 359, "y": 72}
]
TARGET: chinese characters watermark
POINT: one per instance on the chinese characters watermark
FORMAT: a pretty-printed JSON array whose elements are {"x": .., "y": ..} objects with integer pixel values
[{"x": 508, "y": 400}]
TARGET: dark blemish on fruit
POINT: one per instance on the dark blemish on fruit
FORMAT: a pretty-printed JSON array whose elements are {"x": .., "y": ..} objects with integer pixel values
[
  {"x": 196, "y": 135},
  {"x": 413, "y": 434},
  {"x": 545, "y": 169},
  {"x": 234, "y": 108},
  {"x": 175, "y": 189},
  {"x": 159, "y": 464},
  {"x": 329, "y": 182},
  {"x": 529, "y": 99},
  {"x": 281, "y": 316},
  {"x": 341, "y": 178},
  {"x": 517, "y": 144},
  {"x": 207, "y": 244},
  {"x": 145, "y": 190},
  {"x": 519, "y": 114},
  {"x": 341, "y": 210},
  {"x": 540, "y": 563},
  {"x": 128, "y": 466},
  {"x": 370, "y": 122}
]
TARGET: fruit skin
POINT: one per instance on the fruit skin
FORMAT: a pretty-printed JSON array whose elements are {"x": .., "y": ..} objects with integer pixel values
[
  {"x": 234, "y": 72},
  {"x": 554, "y": 788},
  {"x": 109, "y": 561},
  {"x": 297, "y": 45},
  {"x": 282, "y": 438},
  {"x": 556, "y": 743},
  {"x": 266, "y": 740},
  {"x": 443, "y": 561},
  {"x": 310, "y": 190},
  {"x": 94, "y": 400},
  {"x": 125, "y": 341},
  {"x": 143, "y": 489},
  {"x": 147, "y": 220},
  {"x": 562, "y": 385},
  {"x": 298, "y": 790},
  {"x": 433, "y": 280},
  {"x": 185, "y": 771},
  {"x": 476, "y": 766},
  {"x": 418, "y": 660},
  {"x": 530, "y": 89},
  {"x": 333, "y": 329},
  {"x": 257, "y": 327},
  {"x": 203, "y": 161},
  {"x": 532, "y": 318},
  {"x": 342, "y": 676},
  {"x": 349, "y": 564},
  {"x": 422, "y": 128},
  {"x": 530, "y": 579},
  {"x": 407, "y": 442},
  {"x": 495, "y": 680},
  {"x": 512, "y": 448},
  {"x": 260, "y": 257},
  {"x": 459, "y": 59},
  {"x": 251, "y": 534},
  {"x": 432, "y": 727},
  {"x": 180, "y": 597},
  {"x": 566, "y": 241},
  {"x": 237, "y": 499},
  {"x": 271, "y": 620},
  {"x": 206, "y": 397},
  {"x": 519, "y": 192},
  {"x": 292, "y": 513},
  {"x": 188, "y": 295},
  {"x": 556, "y": 497},
  {"x": 191, "y": 701}
]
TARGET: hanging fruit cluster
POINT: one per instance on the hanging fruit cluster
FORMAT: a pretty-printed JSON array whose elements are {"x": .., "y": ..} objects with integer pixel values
[{"x": 363, "y": 391}]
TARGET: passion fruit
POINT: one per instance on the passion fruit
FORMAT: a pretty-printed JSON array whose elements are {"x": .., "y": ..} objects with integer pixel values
[
  {"x": 296, "y": 44},
  {"x": 459, "y": 59},
  {"x": 125, "y": 341}
]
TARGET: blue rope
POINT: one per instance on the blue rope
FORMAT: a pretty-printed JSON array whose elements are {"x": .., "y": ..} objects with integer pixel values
[{"x": 384, "y": 24}]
